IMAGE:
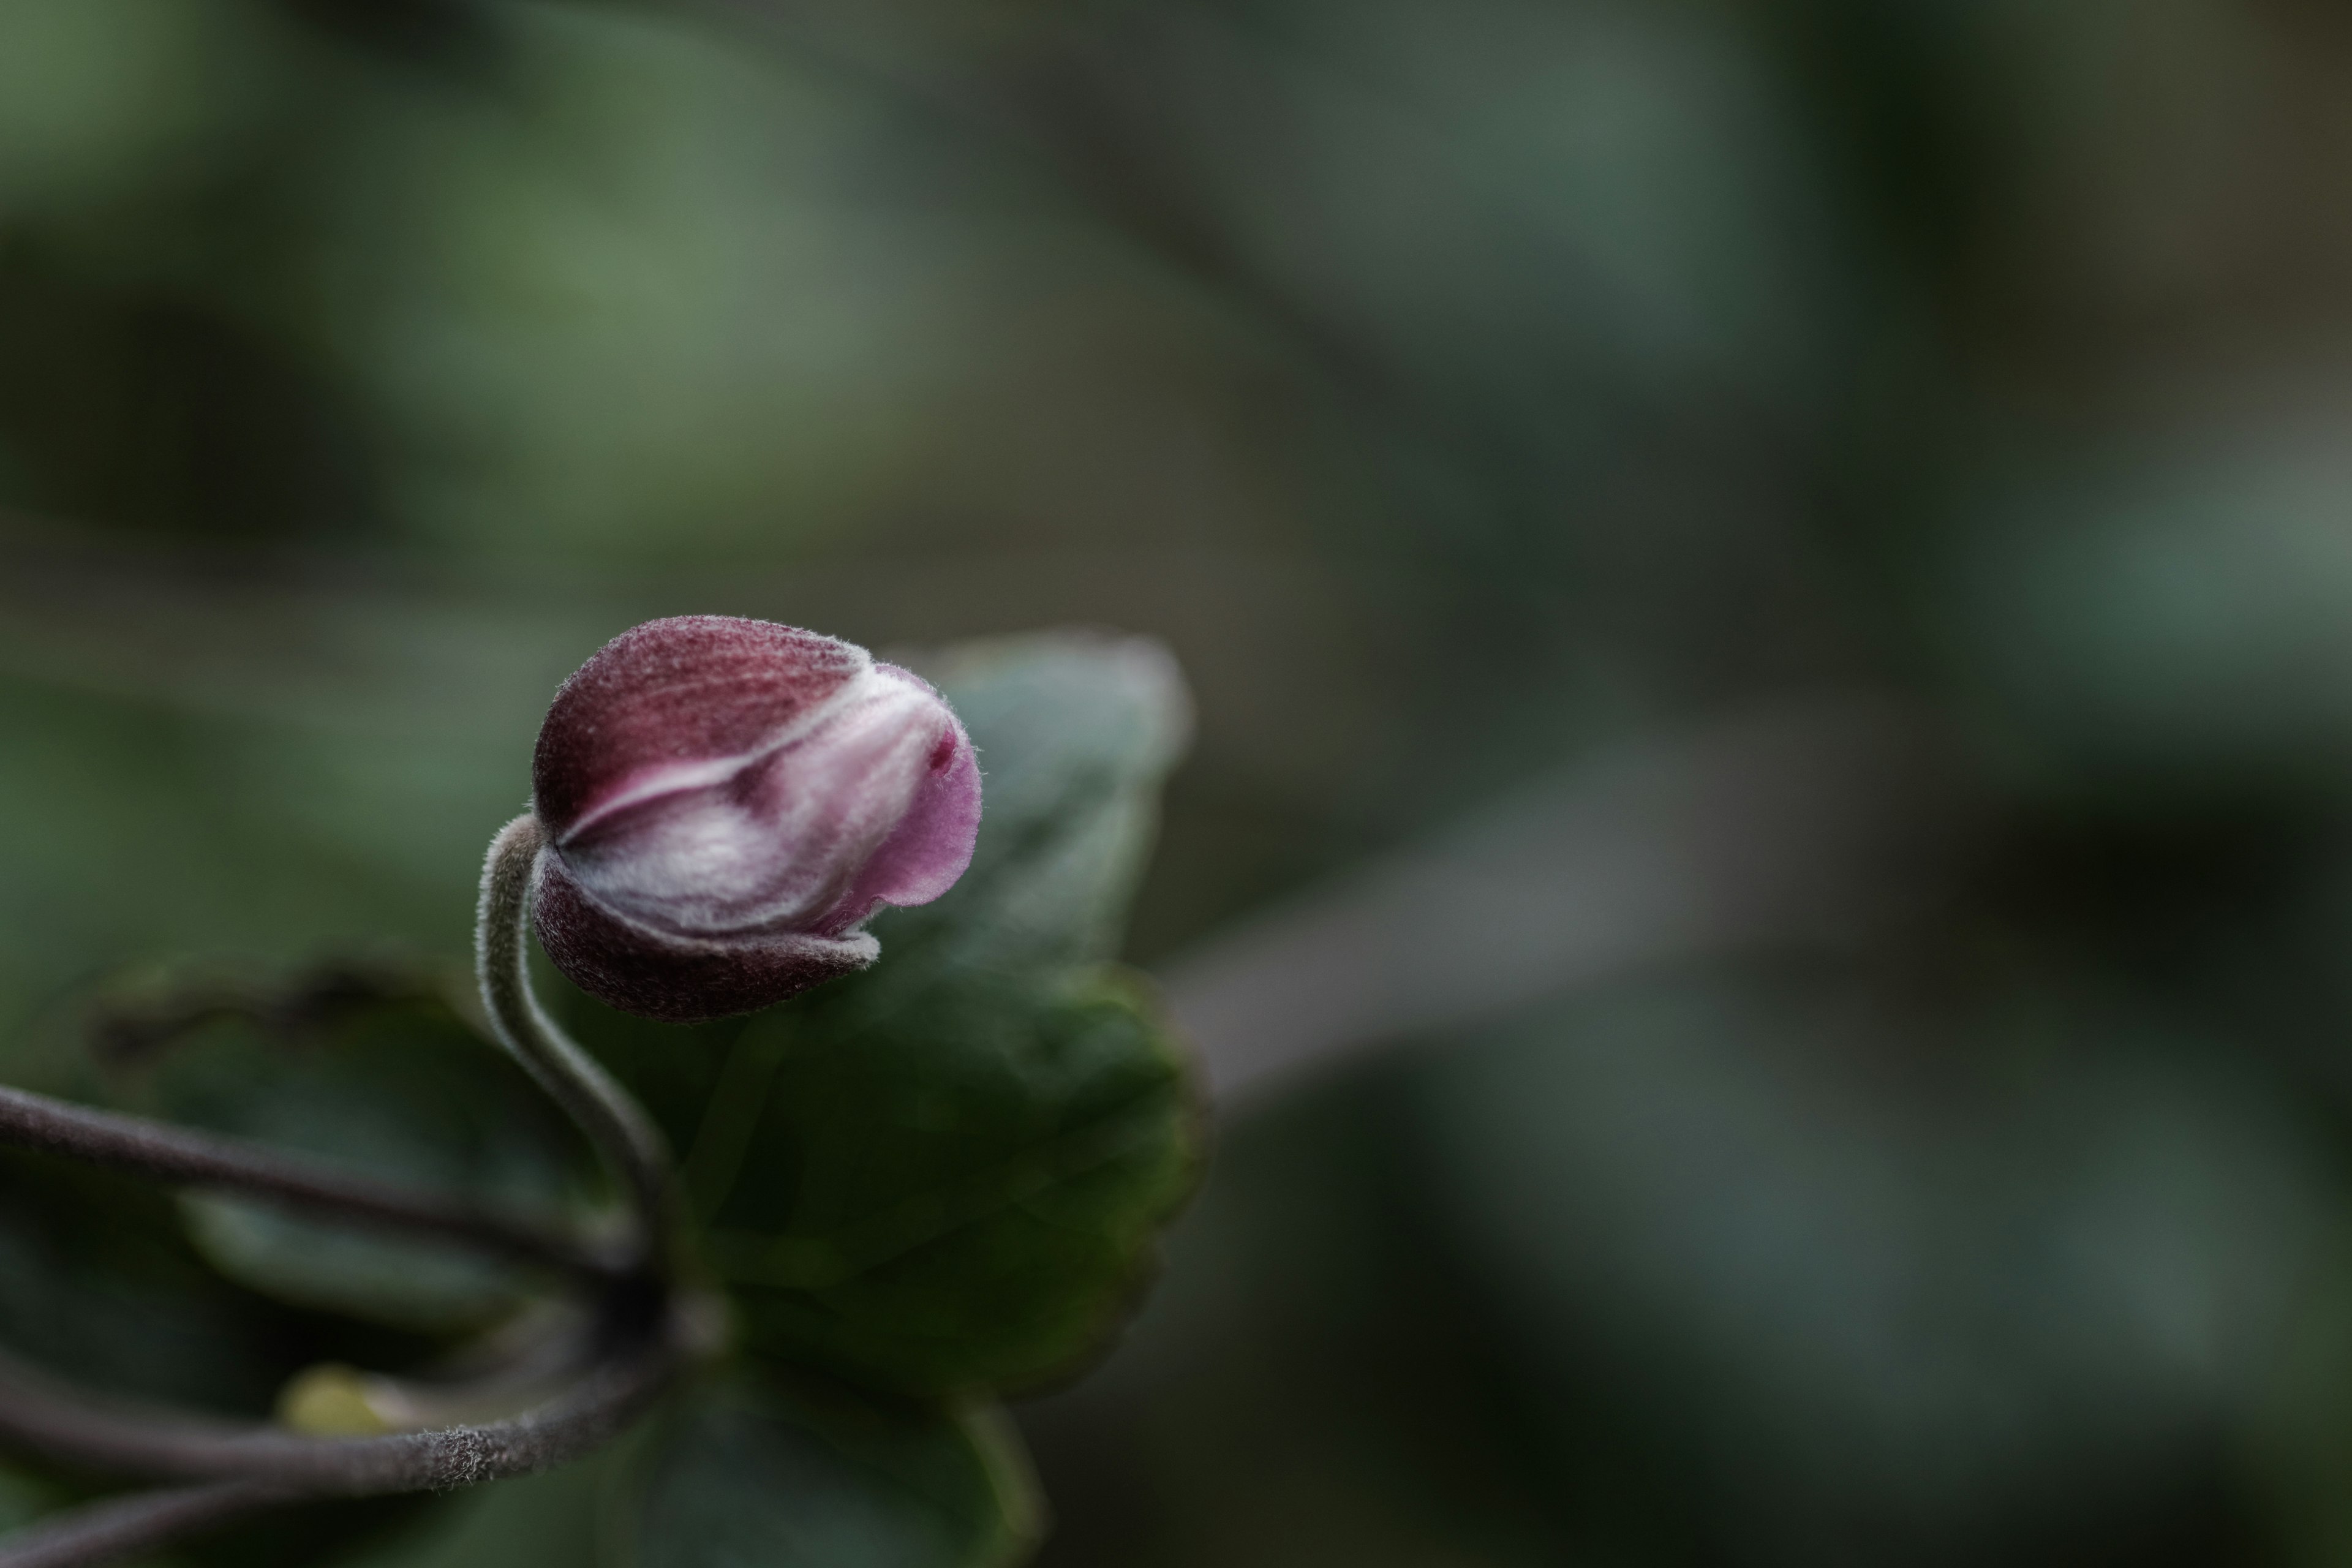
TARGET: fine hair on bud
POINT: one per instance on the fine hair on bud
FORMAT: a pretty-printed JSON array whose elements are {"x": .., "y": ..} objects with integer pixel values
[{"x": 726, "y": 801}]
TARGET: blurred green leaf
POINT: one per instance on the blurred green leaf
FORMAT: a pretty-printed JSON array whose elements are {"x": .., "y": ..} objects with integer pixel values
[
  {"x": 386, "y": 1079},
  {"x": 962, "y": 1193},
  {"x": 947, "y": 1174},
  {"x": 2105, "y": 1238},
  {"x": 22, "y": 1499},
  {"x": 98, "y": 1282},
  {"x": 2168, "y": 610},
  {"x": 94, "y": 95},
  {"x": 750, "y": 1476}
]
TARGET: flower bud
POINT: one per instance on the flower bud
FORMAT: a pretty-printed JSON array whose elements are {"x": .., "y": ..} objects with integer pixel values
[{"x": 726, "y": 802}]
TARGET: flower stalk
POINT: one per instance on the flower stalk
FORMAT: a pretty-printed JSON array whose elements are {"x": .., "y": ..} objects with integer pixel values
[
  {"x": 614, "y": 1121},
  {"x": 118, "y": 1527}
]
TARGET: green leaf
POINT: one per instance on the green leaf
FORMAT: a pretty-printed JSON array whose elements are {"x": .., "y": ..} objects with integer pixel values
[
  {"x": 752, "y": 1477},
  {"x": 377, "y": 1072},
  {"x": 959, "y": 1192}
]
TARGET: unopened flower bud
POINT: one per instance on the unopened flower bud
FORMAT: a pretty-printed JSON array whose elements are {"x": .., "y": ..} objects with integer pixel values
[{"x": 726, "y": 802}]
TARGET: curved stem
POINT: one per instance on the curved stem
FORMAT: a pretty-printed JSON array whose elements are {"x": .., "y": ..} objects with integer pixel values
[
  {"x": 177, "y": 1153},
  {"x": 116, "y": 1526},
  {"x": 602, "y": 1110},
  {"x": 66, "y": 1423}
]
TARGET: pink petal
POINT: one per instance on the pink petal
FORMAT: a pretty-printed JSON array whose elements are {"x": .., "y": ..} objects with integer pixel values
[{"x": 932, "y": 845}]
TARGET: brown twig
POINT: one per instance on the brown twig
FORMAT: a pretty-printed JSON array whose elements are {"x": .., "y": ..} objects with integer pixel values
[
  {"x": 116, "y": 1526},
  {"x": 63, "y": 1422},
  {"x": 201, "y": 1159}
]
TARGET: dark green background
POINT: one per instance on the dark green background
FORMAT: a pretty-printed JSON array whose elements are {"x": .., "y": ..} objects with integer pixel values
[{"x": 1461, "y": 390}]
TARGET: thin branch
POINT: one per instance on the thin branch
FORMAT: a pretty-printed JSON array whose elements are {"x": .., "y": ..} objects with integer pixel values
[
  {"x": 63, "y": 1422},
  {"x": 114, "y": 1528},
  {"x": 176, "y": 1154},
  {"x": 602, "y": 1108}
]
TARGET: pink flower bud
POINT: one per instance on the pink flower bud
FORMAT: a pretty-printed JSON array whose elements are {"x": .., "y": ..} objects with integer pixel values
[{"x": 726, "y": 801}]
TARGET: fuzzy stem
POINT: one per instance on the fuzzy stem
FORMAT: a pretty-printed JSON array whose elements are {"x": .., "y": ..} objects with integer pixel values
[
  {"x": 243, "y": 1467},
  {"x": 129, "y": 1437},
  {"x": 179, "y": 1155},
  {"x": 602, "y": 1108},
  {"x": 117, "y": 1527}
]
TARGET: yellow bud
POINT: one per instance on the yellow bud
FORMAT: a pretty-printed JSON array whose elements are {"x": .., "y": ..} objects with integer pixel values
[{"x": 331, "y": 1401}]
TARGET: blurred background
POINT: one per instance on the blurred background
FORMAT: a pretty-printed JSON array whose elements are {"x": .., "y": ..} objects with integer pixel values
[{"x": 1765, "y": 881}]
